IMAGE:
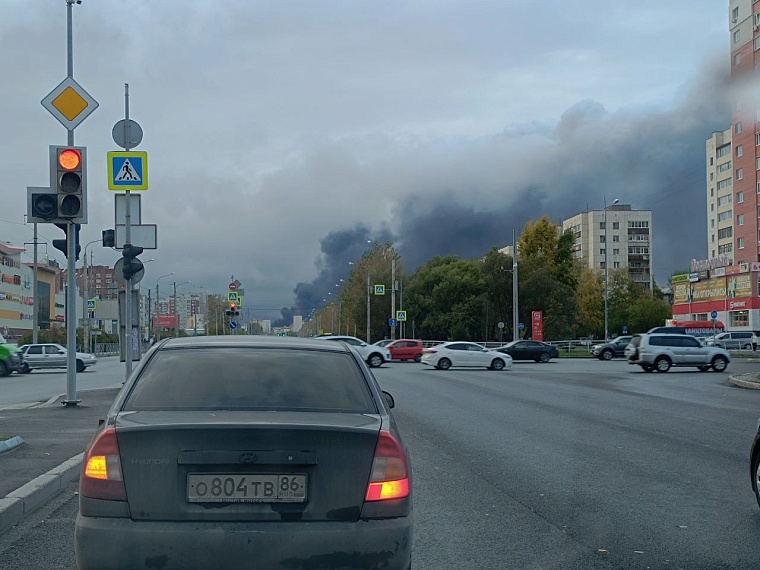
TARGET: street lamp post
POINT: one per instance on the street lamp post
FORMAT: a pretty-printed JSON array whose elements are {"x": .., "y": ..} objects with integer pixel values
[
  {"x": 158, "y": 299},
  {"x": 606, "y": 272}
]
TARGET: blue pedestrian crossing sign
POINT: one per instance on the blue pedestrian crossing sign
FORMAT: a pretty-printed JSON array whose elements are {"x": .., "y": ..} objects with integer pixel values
[
  {"x": 91, "y": 304},
  {"x": 400, "y": 315},
  {"x": 127, "y": 170},
  {"x": 379, "y": 289}
]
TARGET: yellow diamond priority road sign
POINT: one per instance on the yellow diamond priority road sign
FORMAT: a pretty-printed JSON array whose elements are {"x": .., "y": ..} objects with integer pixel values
[{"x": 69, "y": 103}]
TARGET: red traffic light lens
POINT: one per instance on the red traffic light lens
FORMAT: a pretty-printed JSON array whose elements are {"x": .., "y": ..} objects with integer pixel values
[
  {"x": 69, "y": 159},
  {"x": 232, "y": 305}
]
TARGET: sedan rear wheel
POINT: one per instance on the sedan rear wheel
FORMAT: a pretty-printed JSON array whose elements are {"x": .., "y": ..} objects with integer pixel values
[
  {"x": 444, "y": 364},
  {"x": 544, "y": 357},
  {"x": 497, "y": 364},
  {"x": 719, "y": 363},
  {"x": 756, "y": 470},
  {"x": 375, "y": 360},
  {"x": 418, "y": 358},
  {"x": 80, "y": 366}
]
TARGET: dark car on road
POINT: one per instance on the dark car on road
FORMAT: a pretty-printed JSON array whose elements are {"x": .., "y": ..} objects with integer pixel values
[
  {"x": 530, "y": 350},
  {"x": 243, "y": 452},
  {"x": 608, "y": 350},
  {"x": 754, "y": 464}
]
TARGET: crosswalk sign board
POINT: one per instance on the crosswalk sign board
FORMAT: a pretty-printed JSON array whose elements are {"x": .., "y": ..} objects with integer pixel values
[
  {"x": 232, "y": 297},
  {"x": 401, "y": 316},
  {"x": 128, "y": 170},
  {"x": 379, "y": 289}
]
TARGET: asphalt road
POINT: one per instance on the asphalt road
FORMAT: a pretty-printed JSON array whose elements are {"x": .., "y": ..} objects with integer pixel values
[{"x": 567, "y": 465}]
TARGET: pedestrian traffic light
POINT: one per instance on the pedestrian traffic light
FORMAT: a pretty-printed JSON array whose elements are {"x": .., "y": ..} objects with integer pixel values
[
  {"x": 68, "y": 171},
  {"x": 132, "y": 265},
  {"x": 63, "y": 244}
]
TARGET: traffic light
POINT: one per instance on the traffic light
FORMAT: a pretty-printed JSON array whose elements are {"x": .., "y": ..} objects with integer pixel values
[
  {"x": 132, "y": 265},
  {"x": 109, "y": 238},
  {"x": 68, "y": 171},
  {"x": 232, "y": 311},
  {"x": 63, "y": 244}
]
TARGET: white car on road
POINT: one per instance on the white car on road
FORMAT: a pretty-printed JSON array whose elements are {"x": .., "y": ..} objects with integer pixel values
[
  {"x": 448, "y": 354},
  {"x": 373, "y": 354},
  {"x": 51, "y": 355}
]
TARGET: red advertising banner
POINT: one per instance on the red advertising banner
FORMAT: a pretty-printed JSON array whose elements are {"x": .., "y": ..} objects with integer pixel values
[
  {"x": 537, "y": 318},
  {"x": 165, "y": 321}
]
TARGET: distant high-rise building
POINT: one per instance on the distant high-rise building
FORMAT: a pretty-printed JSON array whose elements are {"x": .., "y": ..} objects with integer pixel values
[
  {"x": 720, "y": 190},
  {"x": 622, "y": 238},
  {"x": 744, "y": 27}
]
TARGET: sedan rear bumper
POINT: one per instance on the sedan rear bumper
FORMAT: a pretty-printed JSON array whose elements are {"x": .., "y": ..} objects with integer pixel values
[{"x": 366, "y": 544}]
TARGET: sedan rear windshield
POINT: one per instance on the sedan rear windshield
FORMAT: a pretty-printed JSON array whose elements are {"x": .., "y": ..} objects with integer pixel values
[{"x": 251, "y": 379}]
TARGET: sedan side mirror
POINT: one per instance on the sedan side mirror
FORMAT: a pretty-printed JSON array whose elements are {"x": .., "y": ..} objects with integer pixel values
[{"x": 389, "y": 399}]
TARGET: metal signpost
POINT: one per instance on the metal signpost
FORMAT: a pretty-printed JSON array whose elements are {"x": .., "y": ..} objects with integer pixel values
[{"x": 66, "y": 204}]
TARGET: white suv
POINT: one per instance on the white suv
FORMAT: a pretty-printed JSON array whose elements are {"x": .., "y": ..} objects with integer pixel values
[
  {"x": 374, "y": 355},
  {"x": 660, "y": 351}
]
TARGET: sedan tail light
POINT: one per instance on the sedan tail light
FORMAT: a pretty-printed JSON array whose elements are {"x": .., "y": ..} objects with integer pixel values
[
  {"x": 429, "y": 351},
  {"x": 101, "y": 470},
  {"x": 390, "y": 473}
]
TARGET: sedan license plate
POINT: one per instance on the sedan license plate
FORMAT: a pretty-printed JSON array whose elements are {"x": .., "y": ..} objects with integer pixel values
[{"x": 238, "y": 488}]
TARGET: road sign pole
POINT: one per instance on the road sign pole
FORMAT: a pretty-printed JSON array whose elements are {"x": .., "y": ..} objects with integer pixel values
[
  {"x": 71, "y": 300},
  {"x": 128, "y": 240}
]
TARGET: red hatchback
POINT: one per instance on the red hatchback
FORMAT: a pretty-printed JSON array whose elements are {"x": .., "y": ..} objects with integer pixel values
[{"x": 406, "y": 349}]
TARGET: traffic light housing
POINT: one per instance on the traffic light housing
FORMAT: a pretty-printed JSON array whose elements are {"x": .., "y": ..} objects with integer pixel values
[
  {"x": 131, "y": 265},
  {"x": 109, "y": 238},
  {"x": 63, "y": 244},
  {"x": 68, "y": 177},
  {"x": 232, "y": 311}
]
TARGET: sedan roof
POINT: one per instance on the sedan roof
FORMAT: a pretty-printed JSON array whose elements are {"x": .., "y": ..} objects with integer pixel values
[{"x": 256, "y": 341}]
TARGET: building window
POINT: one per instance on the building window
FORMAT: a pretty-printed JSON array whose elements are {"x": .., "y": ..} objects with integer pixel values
[
  {"x": 602, "y": 226},
  {"x": 713, "y": 239},
  {"x": 615, "y": 238},
  {"x": 740, "y": 243},
  {"x": 603, "y": 238},
  {"x": 739, "y": 173},
  {"x": 615, "y": 225},
  {"x": 735, "y": 15},
  {"x": 740, "y": 197},
  {"x": 724, "y": 200},
  {"x": 602, "y": 265},
  {"x": 740, "y": 220},
  {"x": 727, "y": 248},
  {"x": 757, "y": 39},
  {"x": 602, "y": 251},
  {"x": 725, "y": 233},
  {"x": 737, "y": 59},
  {"x": 723, "y": 216},
  {"x": 724, "y": 183},
  {"x": 738, "y": 128},
  {"x": 739, "y": 150},
  {"x": 737, "y": 36},
  {"x": 723, "y": 167},
  {"x": 756, "y": 18},
  {"x": 724, "y": 150}
]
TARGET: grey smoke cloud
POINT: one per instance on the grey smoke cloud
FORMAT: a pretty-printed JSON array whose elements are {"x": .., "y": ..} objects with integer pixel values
[{"x": 467, "y": 199}]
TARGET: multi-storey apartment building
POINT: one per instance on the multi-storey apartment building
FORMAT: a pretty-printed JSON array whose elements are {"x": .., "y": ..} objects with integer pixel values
[
  {"x": 744, "y": 26},
  {"x": 619, "y": 235},
  {"x": 720, "y": 193}
]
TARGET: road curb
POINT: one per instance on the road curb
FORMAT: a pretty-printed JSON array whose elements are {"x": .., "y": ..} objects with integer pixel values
[
  {"x": 12, "y": 443},
  {"x": 25, "y": 499},
  {"x": 743, "y": 381}
]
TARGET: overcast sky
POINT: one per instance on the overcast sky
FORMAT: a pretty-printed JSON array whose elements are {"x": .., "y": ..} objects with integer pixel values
[{"x": 283, "y": 134}]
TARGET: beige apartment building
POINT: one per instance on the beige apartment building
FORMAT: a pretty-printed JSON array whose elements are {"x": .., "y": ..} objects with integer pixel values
[
  {"x": 720, "y": 191},
  {"x": 618, "y": 237}
]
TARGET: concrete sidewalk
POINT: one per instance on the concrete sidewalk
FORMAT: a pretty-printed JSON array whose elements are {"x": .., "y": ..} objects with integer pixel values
[{"x": 54, "y": 437}]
